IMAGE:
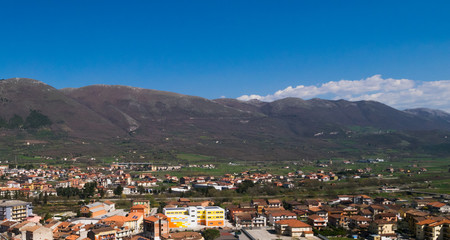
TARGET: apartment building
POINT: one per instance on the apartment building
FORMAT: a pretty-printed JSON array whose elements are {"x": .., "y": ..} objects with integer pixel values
[
  {"x": 294, "y": 228},
  {"x": 15, "y": 210},
  {"x": 190, "y": 217},
  {"x": 432, "y": 229},
  {"x": 317, "y": 221},
  {"x": 385, "y": 229},
  {"x": 155, "y": 226},
  {"x": 95, "y": 209}
]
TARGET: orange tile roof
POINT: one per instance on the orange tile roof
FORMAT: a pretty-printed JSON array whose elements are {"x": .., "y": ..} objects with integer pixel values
[
  {"x": 314, "y": 209},
  {"x": 108, "y": 202},
  {"x": 436, "y": 204},
  {"x": 282, "y": 213},
  {"x": 139, "y": 206},
  {"x": 135, "y": 215},
  {"x": 116, "y": 219},
  {"x": 151, "y": 219},
  {"x": 63, "y": 225},
  {"x": 426, "y": 221},
  {"x": 293, "y": 223},
  {"x": 72, "y": 237},
  {"x": 32, "y": 229},
  {"x": 440, "y": 223},
  {"x": 162, "y": 216},
  {"x": 365, "y": 196}
]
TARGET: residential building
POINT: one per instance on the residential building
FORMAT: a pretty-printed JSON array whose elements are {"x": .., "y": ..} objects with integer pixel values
[
  {"x": 93, "y": 210},
  {"x": 250, "y": 220},
  {"x": 431, "y": 229},
  {"x": 317, "y": 222},
  {"x": 274, "y": 216},
  {"x": 37, "y": 232},
  {"x": 155, "y": 226},
  {"x": 337, "y": 220},
  {"x": 362, "y": 199},
  {"x": 383, "y": 228},
  {"x": 109, "y": 206},
  {"x": 188, "y": 217},
  {"x": 438, "y": 207},
  {"x": 274, "y": 203},
  {"x": 359, "y": 222},
  {"x": 104, "y": 233},
  {"x": 390, "y": 217},
  {"x": 140, "y": 209},
  {"x": 293, "y": 228},
  {"x": 233, "y": 211},
  {"x": 15, "y": 210},
  {"x": 142, "y": 202}
]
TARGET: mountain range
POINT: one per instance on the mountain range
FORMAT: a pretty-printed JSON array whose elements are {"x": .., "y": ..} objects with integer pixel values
[{"x": 289, "y": 128}]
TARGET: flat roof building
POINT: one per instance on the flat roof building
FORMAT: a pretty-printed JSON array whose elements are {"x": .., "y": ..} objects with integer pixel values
[
  {"x": 189, "y": 217},
  {"x": 15, "y": 210}
]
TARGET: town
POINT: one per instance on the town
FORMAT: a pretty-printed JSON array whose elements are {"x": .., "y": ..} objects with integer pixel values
[{"x": 122, "y": 201}]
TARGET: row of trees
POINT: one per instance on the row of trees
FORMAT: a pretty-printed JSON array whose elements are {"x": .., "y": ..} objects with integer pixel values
[
  {"x": 88, "y": 191},
  {"x": 15, "y": 195},
  {"x": 34, "y": 120}
]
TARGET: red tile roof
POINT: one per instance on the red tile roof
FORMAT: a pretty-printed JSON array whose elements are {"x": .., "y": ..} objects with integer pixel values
[{"x": 293, "y": 223}]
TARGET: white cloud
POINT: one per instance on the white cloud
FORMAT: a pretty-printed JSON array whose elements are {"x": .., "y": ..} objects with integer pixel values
[{"x": 398, "y": 93}]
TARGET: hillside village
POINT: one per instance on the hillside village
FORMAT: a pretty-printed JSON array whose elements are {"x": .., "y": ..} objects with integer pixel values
[{"x": 355, "y": 215}]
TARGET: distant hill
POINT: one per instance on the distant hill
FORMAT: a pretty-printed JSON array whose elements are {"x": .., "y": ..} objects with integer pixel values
[
  {"x": 229, "y": 128},
  {"x": 20, "y": 95}
]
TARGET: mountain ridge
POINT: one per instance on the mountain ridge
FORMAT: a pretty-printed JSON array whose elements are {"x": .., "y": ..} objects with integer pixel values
[{"x": 225, "y": 127}]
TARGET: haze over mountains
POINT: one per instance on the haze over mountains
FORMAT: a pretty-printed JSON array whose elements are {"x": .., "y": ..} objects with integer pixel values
[{"x": 283, "y": 128}]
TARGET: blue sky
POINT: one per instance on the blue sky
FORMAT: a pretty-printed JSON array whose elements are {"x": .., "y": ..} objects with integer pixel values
[{"x": 232, "y": 48}]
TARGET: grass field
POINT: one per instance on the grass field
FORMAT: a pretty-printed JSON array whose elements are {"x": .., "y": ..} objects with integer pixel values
[{"x": 193, "y": 158}]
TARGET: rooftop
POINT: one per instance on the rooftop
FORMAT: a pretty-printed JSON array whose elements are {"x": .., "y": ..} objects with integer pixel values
[
  {"x": 13, "y": 203},
  {"x": 293, "y": 223}
]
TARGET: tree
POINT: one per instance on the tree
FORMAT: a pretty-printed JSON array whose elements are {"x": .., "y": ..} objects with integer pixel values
[
  {"x": 118, "y": 191},
  {"x": 45, "y": 199},
  {"x": 141, "y": 189},
  {"x": 3, "y": 123},
  {"x": 40, "y": 197},
  {"x": 89, "y": 190},
  {"x": 47, "y": 216},
  {"x": 7, "y": 195},
  {"x": 244, "y": 186},
  {"x": 15, "y": 122},
  {"x": 211, "y": 234},
  {"x": 102, "y": 193},
  {"x": 36, "y": 120}
]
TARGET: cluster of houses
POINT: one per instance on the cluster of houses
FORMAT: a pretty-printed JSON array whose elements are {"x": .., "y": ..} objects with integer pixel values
[
  {"x": 358, "y": 214},
  {"x": 367, "y": 217},
  {"x": 102, "y": 221},
  {"x": 47, "y": 179}
]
